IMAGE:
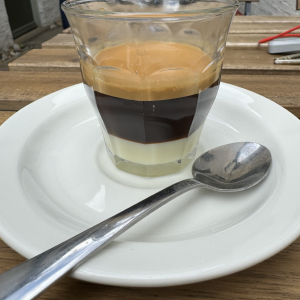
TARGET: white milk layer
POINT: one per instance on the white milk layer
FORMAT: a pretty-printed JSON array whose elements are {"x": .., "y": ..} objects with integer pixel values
[{"x": 152, "y": 154}]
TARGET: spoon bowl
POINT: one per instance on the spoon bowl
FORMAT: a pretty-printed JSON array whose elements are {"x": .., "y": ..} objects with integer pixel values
[
  {"x": 233, "y": 167},
  {"x": 229, "y": 168}
]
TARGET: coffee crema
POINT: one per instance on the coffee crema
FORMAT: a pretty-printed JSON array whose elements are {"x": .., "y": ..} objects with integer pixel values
[
  {"x": 151, "y": 71},
  {"x": 152, "y": 93}
]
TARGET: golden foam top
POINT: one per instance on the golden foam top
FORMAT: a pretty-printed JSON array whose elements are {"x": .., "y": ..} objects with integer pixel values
[{"x": 151, "y": 70}]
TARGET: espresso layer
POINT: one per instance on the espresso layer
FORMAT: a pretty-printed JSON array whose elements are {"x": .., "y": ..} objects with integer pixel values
[{"x": 149, "y": 122}]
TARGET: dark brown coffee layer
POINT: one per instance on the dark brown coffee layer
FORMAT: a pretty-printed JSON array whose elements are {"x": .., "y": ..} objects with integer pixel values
[{"x": 149, "y": 122}]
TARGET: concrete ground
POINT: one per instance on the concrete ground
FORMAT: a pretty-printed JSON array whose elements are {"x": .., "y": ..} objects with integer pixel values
[{"x": 35, "y": 40}]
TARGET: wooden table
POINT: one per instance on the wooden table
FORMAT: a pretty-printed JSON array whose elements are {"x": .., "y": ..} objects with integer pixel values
[{"x": 46, "y": 70}]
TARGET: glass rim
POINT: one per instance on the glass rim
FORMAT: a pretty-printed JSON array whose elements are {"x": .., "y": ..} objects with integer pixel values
[{"x": 70, "y": 7}]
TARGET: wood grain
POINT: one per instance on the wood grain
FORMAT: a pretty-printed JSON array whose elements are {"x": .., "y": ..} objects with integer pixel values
[
  {"x": 50, "y": 60},
  {"x": 242, "y": 25},
  {"x": 242, "y": 41},
  {"x": 267, "y": 19},
  {"x": 242, "y": 61},
  {"x": 255, "y": 61},
  {"x": 261, "y": 28},
  {"x": 4, "y": 115},
  {"x": 246, "y": 41},
  {"x": 283, "y": 90},
  {"x": 21, "y": 88},
  {"x": 60, "y": 41},
  {"x": 275, "y": 279}
]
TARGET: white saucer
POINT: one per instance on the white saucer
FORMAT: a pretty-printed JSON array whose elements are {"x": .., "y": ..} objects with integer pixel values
[{"x": 57, "y": 180}]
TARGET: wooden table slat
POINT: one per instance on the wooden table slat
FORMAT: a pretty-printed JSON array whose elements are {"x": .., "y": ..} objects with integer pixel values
[
  {"x": 267, "y": 19},
  {"x": 60, "y": 41},
  {"x": 246, "y": 41},
  {"x": 242, "y": 41},
  {"x": 22, "y": 88},
  {"x": 243, "y": 61},
  {"x": 49, "y": 60},
  {"x": 255, "y": 61},
  {"x": 4, "y": 115},
  {"x": 261, "y": 28}
]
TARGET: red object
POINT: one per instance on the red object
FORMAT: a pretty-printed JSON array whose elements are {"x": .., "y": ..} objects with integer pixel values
[{"x": 284, "y": 34}]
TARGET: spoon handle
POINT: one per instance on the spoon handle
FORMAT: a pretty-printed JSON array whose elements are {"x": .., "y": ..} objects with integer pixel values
[{"x": 30, "y": 278}]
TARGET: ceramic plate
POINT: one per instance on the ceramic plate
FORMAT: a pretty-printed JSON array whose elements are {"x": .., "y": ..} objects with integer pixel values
[{"x": 57, "y": 180}]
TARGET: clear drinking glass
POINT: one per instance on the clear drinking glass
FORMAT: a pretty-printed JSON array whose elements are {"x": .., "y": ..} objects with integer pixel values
[{"x": 151, "y": 69}]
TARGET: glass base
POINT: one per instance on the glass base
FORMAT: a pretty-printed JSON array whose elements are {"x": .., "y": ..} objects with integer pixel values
[{"x": 152, "y": 170}]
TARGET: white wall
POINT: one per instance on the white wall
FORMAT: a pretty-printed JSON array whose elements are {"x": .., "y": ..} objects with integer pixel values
[
  {"x": 49, "y": 11},
  {"x": 273, "y": 7},
  {"x": 6, "y": 39}
]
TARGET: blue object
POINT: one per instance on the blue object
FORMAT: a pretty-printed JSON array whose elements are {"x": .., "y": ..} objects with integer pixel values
[
  {"x": 284, "y": 45},
  {"x": 63, "y": 16}
]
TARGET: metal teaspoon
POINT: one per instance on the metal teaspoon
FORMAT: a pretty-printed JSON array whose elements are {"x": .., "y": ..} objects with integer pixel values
[{"x": 229, "y": 168}]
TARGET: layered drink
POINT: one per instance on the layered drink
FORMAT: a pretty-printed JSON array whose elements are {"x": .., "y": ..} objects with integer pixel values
[{"x": 152, "y": 99}]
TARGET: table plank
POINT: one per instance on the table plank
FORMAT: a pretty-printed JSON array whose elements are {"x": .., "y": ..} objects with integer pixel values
[
  {"x": 242, "y": 61},
  {"x": 4, "y": 115},
  {"x": 49, "y": 60},
  {"x": 283, "y": 90},
  {"x": 261, "y": 28},
  {"x": 22, "y": 88},
  {"x": 275, "y": 279},
  {"x": 255, "y": 61},
  {"x": 291, "y": 22},
  {"x": 267, "y": 19},
  {"x": 245, "y": 41},
  {"x": 60, "y": 41}
]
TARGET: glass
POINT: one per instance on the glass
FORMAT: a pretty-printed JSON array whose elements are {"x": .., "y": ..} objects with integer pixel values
[{"x": 151, "y": 70}]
